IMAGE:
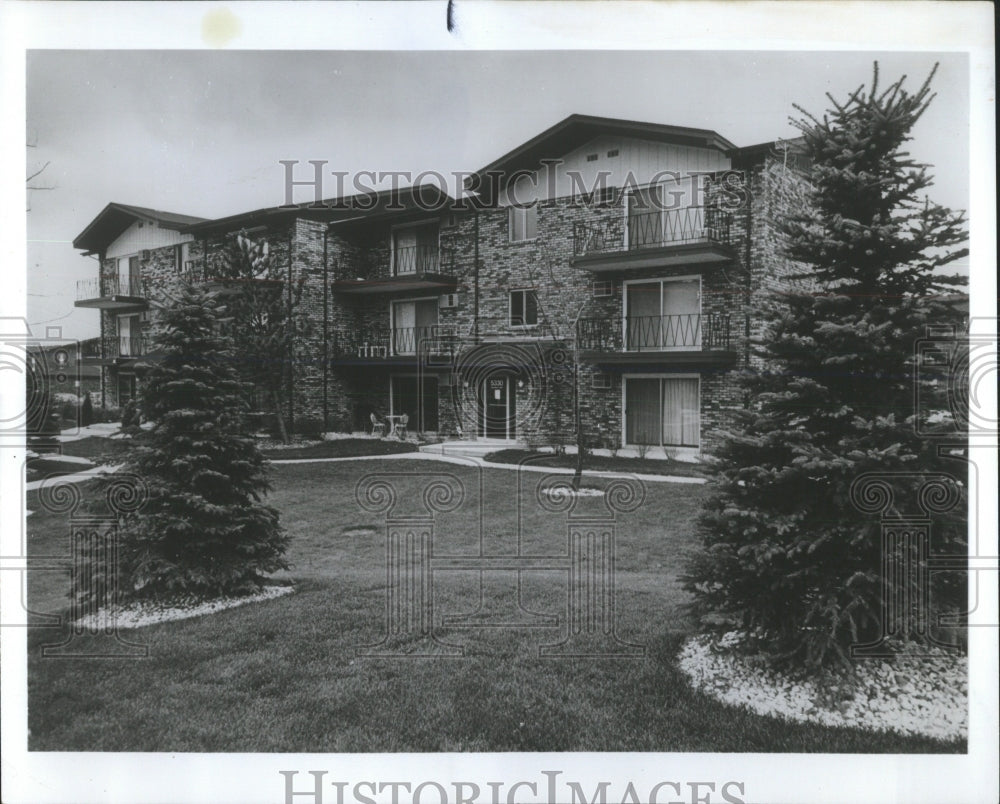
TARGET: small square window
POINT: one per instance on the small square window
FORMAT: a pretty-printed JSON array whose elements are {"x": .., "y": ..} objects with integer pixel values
[
  {"x": 591, "y": 157},
  {"x": 522, "y": 223},
  {"x": 613, "y": 152},
  {"x": 523, "y": 308}
]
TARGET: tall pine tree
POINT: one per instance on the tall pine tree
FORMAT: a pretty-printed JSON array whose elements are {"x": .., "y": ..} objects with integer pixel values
[
  {"x": 784, "y": 551},
  {"x": 204, "y": 531}
]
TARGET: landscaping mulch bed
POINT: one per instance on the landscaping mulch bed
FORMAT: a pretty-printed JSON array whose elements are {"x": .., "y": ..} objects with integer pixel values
[
  {"x": 599, "y": 463},
  {"x": 339, "y": 448}
]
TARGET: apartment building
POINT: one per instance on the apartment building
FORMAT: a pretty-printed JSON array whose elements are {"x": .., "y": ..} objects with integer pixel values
[{"x": 617, "y": 262}]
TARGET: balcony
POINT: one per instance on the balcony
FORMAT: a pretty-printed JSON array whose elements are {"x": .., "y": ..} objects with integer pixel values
[
  {"x": 388, "y": 346},
  {"x": 407, "y": 268},
  {"x": 685, "y": 236},
  {"x": 686, "y": 338},
  {"x": 120, "y": 348},
  {"x": 197, "y": 272},
  {"x": 112, "y": 292}
]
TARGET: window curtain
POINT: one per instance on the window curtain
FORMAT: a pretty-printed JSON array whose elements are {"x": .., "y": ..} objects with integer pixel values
[{"x": 680, "y": 412}]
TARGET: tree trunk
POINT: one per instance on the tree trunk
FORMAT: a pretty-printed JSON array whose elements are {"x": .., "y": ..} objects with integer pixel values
[
  {"x": 578, "y": 474},
  {"x": 279, "y": 416}
]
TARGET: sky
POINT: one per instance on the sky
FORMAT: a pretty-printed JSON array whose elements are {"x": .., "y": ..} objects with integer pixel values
[{"x": 202, "y": 132}]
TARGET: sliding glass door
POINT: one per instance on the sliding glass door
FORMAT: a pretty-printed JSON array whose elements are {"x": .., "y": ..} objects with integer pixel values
[
  {"x": 663, "y": 314},
  {"x": 662, "y": 411}
]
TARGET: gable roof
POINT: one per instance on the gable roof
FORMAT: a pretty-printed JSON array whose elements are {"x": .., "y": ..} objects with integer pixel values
[
  {"x": 579, "y": 129},
  {"x": 115, "y": 218}
]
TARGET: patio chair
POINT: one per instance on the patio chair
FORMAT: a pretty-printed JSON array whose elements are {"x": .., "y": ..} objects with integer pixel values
[
  {"x": 378, "y": 428},
  {"x": 400, "y": 428}
]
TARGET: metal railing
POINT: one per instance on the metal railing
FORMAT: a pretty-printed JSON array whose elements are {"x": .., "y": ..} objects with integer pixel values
[
  {"x": 116, "y": 347},
  {"x": 686, "y": 331},
  {"x": 656, "y": 229},
  {"x": 385, "y": 342},
  {"x": 112, "y": 284},
  {"x": 416, "y": 260}
]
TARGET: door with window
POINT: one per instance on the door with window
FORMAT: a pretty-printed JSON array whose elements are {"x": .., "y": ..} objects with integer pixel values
[
  {"x": 415, "y": 249},
  {"x": 126, "y": 388},
  {"x": 667, "y": 213},
  {"x": 497, "y": 409},
  {"x": 128, "y": 336},
  {"x": 662, "y": 411},
  {"x": 417, "y": 398},
  {"x": 412, "y": 322},
  {"x": 663, "y": 315}
]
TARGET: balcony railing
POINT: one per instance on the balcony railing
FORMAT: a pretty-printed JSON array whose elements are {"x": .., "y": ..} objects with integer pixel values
[
  {"x": 416, "y": 260},
  {"x": 109, "y": 285},
  {"x": 686, "y": 331},
  {"x": 195, "y": 271},
  {"x": 118, "y": 347},
  {"x": 657, "y": 229},
  {"x": 385, "y": 342}
]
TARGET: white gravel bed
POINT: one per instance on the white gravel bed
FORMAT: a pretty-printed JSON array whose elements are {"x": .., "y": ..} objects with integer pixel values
[
  {"x": 925, "y": 695},
  {"x": 556, "y": 492},
  {"x": 137, "y": 615}
]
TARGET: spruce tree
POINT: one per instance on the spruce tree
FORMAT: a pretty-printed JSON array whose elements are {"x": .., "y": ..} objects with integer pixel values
[
  {"x": 204, "y": 531},
  {"x": 784, "y": 550}
]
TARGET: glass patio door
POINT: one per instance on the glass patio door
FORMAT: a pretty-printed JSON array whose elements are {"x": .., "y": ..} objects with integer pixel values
[{"x": 662, "y": 411}]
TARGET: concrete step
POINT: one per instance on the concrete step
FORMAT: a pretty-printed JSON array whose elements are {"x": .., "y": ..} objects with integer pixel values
[{"x": 469, "y": 449}]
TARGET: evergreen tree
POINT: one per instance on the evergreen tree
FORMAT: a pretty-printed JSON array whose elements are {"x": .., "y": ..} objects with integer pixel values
[
  {"x": 784, "y": 550},
  {"x": 203, "y": 531}
]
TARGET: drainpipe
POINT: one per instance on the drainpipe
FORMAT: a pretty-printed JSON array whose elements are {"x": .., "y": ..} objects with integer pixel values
[
  {"x": 326, "y": 331},
  {"x": 104, "y": 369},
  {"x": 475, "y": 296},
  {"x": 290, "y": 381}
]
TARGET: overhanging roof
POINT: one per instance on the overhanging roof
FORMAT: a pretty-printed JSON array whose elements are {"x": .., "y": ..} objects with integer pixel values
[
  {"x": 365, "y": 206},
  {"x": 115, "y": 218},
  {"x": 579, "y": 129}
]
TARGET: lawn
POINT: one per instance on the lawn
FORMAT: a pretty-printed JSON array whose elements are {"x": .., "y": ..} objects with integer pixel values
[
  {"x": 341, "y": 448},
  {"x": 284, "y": 676},
  {"x": 599, "y": 463}
]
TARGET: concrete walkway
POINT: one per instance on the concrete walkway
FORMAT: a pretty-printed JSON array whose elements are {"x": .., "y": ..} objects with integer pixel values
[{"x": 472, "y": 461}]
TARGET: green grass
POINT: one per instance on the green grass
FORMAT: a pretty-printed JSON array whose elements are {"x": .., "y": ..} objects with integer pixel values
[
  {"x": 284, "y": 675},
  {"x": 342, "y": 448},
  {"x": 599, "y": 463}
]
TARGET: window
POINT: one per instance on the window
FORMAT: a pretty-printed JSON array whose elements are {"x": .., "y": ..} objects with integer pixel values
[
  {"x": 603, "y": 288},
  {"x": 522, "y": 223},
  {"x": 183, "y": 256},
  {"x": 662, "y": 411},
  {"x": 523, "y": 308}
]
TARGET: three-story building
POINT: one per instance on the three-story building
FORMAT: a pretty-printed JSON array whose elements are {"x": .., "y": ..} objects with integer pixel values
[{"x": 614, "y": 262}]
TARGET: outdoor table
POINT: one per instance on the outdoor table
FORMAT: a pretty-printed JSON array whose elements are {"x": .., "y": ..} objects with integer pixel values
[{"x": 394, "y": 422}]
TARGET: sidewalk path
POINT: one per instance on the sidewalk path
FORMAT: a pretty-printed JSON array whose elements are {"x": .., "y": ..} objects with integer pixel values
[{"x": 469, "y": 461}]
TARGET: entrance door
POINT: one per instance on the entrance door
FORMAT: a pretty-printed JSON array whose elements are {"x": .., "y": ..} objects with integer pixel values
[
  {"x": 126, "y": 388},
  {"x": 498, "y": 407}
]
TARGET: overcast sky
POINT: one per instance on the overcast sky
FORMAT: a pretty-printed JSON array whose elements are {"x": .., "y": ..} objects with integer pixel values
[{"x": 202, "y": 132}]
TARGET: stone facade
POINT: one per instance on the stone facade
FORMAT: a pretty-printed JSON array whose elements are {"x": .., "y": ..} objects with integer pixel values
[{"x": 343, "y": 365}]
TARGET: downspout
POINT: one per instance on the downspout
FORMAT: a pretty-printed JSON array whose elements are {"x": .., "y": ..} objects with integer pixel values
[
  {"x": 326, "y": 331},
  {"x": 475, "y": 274},
  {"x": 104, "y": 368},
  {"x": 749, "y": 269},
  {"x": 290, "y": 380}
]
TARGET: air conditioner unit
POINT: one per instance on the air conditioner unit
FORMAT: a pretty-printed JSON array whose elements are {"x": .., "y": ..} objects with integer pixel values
[
  {"x": 602, "y": 382},
  {"x": 145, "y": 316},
  {"x": 145, "y": 253},
  {"x": 603, "y": 288},
  {"x": 448, "y": 301}
]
